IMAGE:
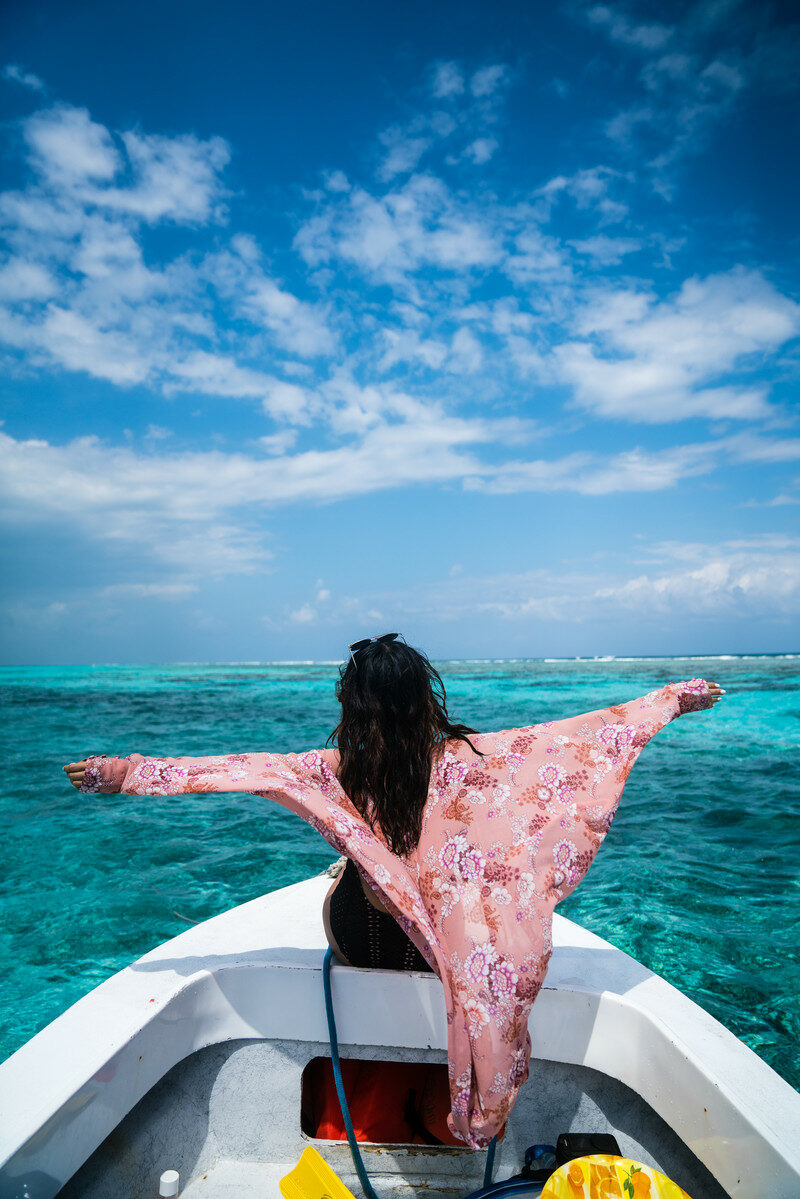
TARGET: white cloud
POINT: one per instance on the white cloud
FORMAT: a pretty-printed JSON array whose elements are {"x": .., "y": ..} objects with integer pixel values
[
  {"x": 69, "y": 148},
  {"x": 466, "y": 354},
  {"x": 80, "y": 296},
  {"x": 406, "y": 345},
  {"x": 175, "y": 178},
  {"x": 447, "y": 80},
  {"x": 759, "y": 447},
  {"x": 95, "y": 606},
  {"x": 157, "y": 433},
  {"x": 213, "y": 374},
  {"x": 309, "y": 612},
  {"x": 481, "y": 150},
  {"x": 589, "y": 189},
  {"x": 77, "y": 344},
  {"x": 18, "y": 74},
  {"x": 162, "y": 591},
  {"x": 196, "y": 508},
  {"x": 690, "y": 80},
  {"x": 178, "y": 506},
  {"x": 421, "y": 224},
  {"x": 297, "y": 326},
  {"x": 107, "y": 253},
  {"x": 402, "y": 153},
  {"x": 21, "y": 280},
  {"x": 488, "y": 79},
  {"x": 623, "y": 126},
  {"x": 537, "y": 258},
  {"x": 459, "y": 127},
  {"x": 193, "y": 510},
  {"x": 651, "y": 36},
  {"x": 303, "y": 615},
  {"x": 590, "y": 473},
  {"x": 336, "y": 181},
  {"x": 757, "y": 579},
  {"x": 606, "y": 251},
  {"x": 667, "y": 360},
  {"x": 706, "y": 99},
  {"x": 673, "y": 67},
  {"x": 172, "y": 507},
  {"x": 418, "y": 222},
  {"x": 278, "y": 443}
]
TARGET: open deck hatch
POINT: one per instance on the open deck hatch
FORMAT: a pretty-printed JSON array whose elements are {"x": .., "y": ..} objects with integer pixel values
[{"x": 391, "y": 1103}]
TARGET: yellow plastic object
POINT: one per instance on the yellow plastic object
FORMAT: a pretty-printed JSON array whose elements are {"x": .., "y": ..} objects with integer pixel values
[
  {"x": 313, "y": 1178},
  {"x": 604, "y": 1177}
]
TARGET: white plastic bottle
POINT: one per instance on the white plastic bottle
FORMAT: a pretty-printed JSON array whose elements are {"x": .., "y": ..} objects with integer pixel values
[{"x": 169, "y": 1183}]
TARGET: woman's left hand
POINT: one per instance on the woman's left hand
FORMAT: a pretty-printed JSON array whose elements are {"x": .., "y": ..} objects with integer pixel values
[{"x": 75, "y": 772}]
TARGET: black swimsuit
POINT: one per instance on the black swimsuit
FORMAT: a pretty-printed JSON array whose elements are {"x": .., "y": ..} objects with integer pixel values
[{"x": 365, "y": 935}]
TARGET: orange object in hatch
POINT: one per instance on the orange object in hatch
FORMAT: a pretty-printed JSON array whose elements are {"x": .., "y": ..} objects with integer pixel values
[{"x": 391, "y": 1103}]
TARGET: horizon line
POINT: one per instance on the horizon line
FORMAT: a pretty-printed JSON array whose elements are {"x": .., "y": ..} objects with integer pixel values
[{"x": 788, "y": 654}]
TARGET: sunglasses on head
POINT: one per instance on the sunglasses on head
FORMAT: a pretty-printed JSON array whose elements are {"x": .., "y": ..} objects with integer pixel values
[{"x": 384, "y": 639}]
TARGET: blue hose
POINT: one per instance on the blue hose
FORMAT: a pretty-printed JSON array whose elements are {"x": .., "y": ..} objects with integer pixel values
[
  {"x": 512, "y": 1186},
  {"x": 358, "y": 1161},
  {"x": 488, "y": 1169}
]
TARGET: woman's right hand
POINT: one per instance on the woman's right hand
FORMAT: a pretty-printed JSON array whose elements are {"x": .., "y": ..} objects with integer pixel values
[
  {"x": 75, "y": 772},
  {"x": 697, "y": 695}
]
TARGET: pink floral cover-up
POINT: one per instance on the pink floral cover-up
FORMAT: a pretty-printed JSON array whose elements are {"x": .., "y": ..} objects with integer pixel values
[{"x": 505, "y": 837}]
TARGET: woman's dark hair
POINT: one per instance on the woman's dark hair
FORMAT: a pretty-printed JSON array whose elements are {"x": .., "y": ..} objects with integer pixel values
[{"x": 394, "y": 720}]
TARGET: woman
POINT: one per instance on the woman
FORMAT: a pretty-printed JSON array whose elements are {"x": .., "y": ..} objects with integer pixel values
[
  {"x": 468, "y": 841},
  {"x": 394, "y": 722}
]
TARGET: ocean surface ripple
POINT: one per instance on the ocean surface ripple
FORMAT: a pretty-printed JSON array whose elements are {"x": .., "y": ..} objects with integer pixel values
[{"x": 699, "y": 877}]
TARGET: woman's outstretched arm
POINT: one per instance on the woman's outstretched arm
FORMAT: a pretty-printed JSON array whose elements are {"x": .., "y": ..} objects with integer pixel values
[
  {"x": 139, "y": 775},
  {"x": 656, "y": 708},
  {"x": 609, "y": 743}
]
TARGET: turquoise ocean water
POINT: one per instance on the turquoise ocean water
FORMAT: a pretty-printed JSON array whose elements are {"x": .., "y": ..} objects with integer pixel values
[{"x": 699, "y": 877}]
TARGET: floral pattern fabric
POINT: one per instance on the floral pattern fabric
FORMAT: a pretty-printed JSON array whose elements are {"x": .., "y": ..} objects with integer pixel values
[{"x": 505, "y": 837}]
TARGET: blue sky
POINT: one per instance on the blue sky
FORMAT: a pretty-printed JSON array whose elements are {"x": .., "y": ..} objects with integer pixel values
[{"x": 475, "y": 321}]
